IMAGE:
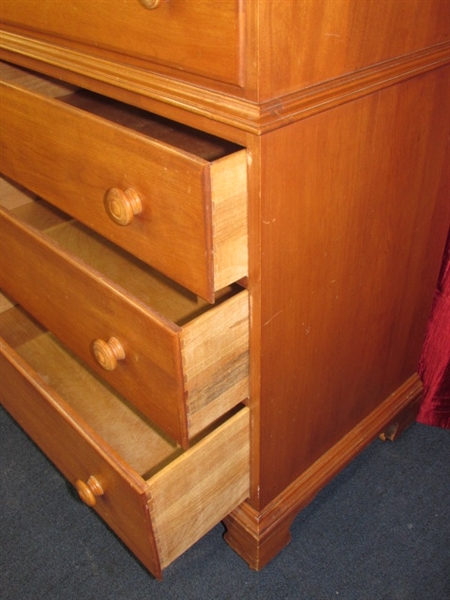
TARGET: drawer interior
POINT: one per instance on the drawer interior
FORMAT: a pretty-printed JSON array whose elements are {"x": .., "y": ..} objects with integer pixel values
[
  {"x": 187, "y": 139},
  {"x": 162, "y": 294},
  {"x": 186, "y": 361},
  {"x": 98, "y": 405},
  {"x": 171, "y": 195},
  {"x": 158, "y": 498}
]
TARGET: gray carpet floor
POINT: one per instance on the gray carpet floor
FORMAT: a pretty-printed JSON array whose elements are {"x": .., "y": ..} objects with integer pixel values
[{"x": 380, "y": 530}]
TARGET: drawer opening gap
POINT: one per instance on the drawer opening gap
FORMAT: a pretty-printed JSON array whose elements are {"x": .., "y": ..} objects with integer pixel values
[{"x": 154, "y": 289}]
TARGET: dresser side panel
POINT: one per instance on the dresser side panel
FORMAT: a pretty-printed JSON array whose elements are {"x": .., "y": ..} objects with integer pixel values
[
  {"x": 353, "y": 224},
  {"x": 303, "y": 43}
]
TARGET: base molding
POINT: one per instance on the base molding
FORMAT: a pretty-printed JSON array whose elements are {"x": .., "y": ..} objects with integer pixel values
[{"x": 258, "y": 536}]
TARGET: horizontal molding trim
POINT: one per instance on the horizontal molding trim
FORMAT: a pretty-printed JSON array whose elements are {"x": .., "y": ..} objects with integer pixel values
[{"x": 230, "y": 110}]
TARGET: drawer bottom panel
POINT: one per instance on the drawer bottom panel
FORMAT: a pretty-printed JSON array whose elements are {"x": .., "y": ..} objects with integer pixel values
[{"x": 158, "y": 498}]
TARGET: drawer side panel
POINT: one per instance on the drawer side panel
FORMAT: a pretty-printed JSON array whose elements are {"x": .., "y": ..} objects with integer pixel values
[
  {"x": 201, "y": 487},
  {"x": 229, "y": 198},
  {"x": 215, "y": 352}
]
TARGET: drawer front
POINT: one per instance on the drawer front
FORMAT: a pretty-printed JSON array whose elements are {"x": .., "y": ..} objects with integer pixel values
[
  {"x": 190, "y": 220},
  {"x": 77, "y": 453},
  {"x": 190, "y": 495},
  {"x": 193, "y": 36},
  {"x": 135, "y": 349}
]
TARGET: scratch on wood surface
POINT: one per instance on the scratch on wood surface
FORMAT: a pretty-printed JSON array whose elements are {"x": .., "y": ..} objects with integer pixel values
[{"x": 272, "y": 317}]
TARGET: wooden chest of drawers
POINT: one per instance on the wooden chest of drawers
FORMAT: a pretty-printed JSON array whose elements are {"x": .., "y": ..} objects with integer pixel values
[{"x": 221, "y": 229}]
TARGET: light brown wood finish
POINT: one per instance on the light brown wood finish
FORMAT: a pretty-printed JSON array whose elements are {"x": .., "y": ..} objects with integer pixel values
[
  {"x": 175, "y": 34},
  {"x": 47, "y": 86},
  {"x": 331, "y": 38},
  {"x": 336, "y": 37},
  {"x": 353, "y": 231},
  {"x": 168, "y": 368},
  {"x": 259, "y": 535},
  {"x": 184, "y": 198},
  {"x": 342, "y": 107},
  {"x": 5, "y": 303},
  {"x": 12, "y": 195},
  {"x": 362, "y": 46},
  {"x": 69, "y": 413},
  {"x": 224, "y": 115}
]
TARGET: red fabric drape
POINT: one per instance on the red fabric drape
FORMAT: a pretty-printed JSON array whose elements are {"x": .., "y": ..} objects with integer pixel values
[{"x": 434, "y": 366}]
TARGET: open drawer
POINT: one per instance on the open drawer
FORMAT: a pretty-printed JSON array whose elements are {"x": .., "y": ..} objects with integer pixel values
[
  {"x": 157, "y": 498},
  {"x": 181, "y": 361},
  {"x": 174, "y": 197}
]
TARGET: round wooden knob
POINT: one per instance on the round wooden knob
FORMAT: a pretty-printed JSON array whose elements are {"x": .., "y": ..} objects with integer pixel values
[
  {"x": 108, "y": 353},
  {"x": 89, "y": 491},
  {"x": 122, "y": 205},
  {"x": 150, "y": 3}
]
